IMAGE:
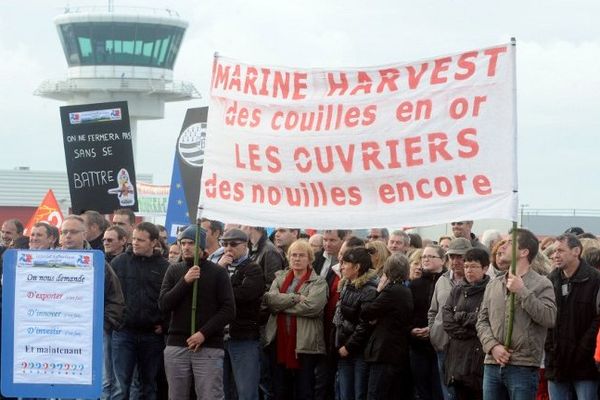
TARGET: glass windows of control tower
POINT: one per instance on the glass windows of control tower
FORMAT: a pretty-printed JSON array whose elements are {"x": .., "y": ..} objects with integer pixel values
[{"x": 120, "y": 43}]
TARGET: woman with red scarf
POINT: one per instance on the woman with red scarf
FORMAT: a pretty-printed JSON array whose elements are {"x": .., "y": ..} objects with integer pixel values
[{"x": 294, "y": 332}]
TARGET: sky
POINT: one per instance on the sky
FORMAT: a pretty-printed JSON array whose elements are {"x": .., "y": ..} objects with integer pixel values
[{"x": 558, "y": 72}]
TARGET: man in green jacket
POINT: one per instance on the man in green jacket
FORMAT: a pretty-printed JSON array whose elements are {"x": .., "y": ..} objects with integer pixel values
[{"x": 512, "y": 372}]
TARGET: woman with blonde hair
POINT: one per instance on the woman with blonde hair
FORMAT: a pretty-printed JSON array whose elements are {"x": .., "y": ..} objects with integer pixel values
[
  {"x": 381, "y": 254},
  {"x": 415, "y": 264},
  {"x": 294, "y": 331}
]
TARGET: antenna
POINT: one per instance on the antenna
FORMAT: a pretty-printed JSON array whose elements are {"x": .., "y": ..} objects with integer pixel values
[{"x": 110, "y": 6}]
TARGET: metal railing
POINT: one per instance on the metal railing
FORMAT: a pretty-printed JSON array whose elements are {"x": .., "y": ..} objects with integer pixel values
[
  {"x": 138, "y": 85},
  {"x": 121, "y": 9},
  {"x": 564, "y": 212}
]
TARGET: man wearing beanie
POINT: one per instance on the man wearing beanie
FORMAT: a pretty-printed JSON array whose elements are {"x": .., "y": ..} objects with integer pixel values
[{"x": 198, "y": 356}]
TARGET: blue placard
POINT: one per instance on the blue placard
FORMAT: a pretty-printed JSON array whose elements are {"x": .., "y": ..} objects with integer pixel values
[{"x": 60, "y": 271}]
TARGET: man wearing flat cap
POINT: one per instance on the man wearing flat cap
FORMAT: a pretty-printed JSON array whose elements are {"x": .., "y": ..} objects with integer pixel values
[
  {"x": 455, "y": 274},
  {"x": 198, "y": 355},
  {"x": 241, "y": 372}
]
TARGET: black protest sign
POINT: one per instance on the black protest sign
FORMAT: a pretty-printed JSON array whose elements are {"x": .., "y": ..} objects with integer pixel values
[{"x": 99, "y": 155}]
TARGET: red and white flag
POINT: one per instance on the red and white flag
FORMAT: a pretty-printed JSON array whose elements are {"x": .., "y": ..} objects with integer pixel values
[{"x": 48, "y": 211}]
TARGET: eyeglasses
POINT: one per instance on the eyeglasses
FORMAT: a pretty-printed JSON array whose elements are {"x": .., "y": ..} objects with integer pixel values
[
  {"x": 233, "y": 243},
  {"x": 373, "y": 237},
  {"x": 429, "y": 257},
  {"x": 457, "y": 223},
  {"x": 70, "y": 231},
  {"x": 298, "y": 255}
]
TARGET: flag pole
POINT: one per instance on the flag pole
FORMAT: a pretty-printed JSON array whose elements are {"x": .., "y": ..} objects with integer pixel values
[
  {"x": 513, "y": 264},
  {"x": 511, "y": 306},
  {"x": 196, "y": 261}
]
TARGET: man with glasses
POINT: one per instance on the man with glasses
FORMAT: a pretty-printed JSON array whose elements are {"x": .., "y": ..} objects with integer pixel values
[
  {"x": 73, "y": 238},
  {"x": 241, "y": 369},
  {"x": 381, "y": 234},
  {"x": 454, "y": 276},
  {"x": 462, "y": 229}
]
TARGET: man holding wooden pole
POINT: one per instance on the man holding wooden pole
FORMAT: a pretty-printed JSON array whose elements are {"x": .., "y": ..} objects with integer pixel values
[{"x": 511, "y": 370}]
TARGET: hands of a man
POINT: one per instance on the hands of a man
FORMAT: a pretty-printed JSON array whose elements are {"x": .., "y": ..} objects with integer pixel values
[
  {"x": 514, "y": 283},
  {"x": 501, "y": 354},
  {"x": 421, "y": 333},
  {"x": 192, "y": 274},
  {"x": 225, "y": 260},
  {"x": 195, "y": 341},
  {"x": 343, "y": 352}
]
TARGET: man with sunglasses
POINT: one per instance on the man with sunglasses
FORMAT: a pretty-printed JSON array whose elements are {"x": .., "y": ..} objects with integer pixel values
[
  {"x": 241, "y": 369},
  {"x": 115, "y": 241},
  {"x": 462, "y": 229}
]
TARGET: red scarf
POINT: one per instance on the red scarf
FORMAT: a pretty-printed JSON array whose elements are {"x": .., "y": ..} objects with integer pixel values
[{"x": 286, "y": 343}]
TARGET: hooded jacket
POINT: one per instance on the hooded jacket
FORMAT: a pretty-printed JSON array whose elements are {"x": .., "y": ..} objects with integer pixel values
[
  {"x": 464, "y": 356},
  {"x": 351, "y": 330}
]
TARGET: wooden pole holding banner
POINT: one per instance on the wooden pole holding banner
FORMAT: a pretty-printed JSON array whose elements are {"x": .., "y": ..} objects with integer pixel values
[
  {"x": 513, "y": 264},
  {"x": 511, "y": 305},
  {"x": 196, "y": 261}
]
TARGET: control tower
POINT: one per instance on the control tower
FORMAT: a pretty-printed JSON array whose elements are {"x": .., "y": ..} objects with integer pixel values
[{"x": 117, "y": 55}]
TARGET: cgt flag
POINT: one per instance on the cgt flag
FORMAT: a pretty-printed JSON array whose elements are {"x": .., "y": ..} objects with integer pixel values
[{"x": 48, "y": 211}]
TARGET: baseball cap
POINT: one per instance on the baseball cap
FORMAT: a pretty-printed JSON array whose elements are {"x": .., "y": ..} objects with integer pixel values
[{"x": 459, "y": 246}]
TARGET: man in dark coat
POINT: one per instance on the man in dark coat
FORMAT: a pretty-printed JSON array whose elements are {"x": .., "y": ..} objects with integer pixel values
[
  {"x": 242, "y": 342},
  {"x": 140, "y": 339},
  {"x": 570, "y": 344},
  {"x": 196, "y": 356}
]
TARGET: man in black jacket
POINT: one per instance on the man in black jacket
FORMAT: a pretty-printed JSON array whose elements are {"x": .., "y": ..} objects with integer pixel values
[
  {"x": 140, "y": 339},
  {"x": 264, "y": 253},
  {"x": 241, "y": 373},
  {"x": 199, "y": 354},
  {"x": 570, "y": 344}
]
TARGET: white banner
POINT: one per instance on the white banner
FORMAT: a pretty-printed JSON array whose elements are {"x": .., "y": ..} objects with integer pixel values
[{"x": 397, "y": 145}]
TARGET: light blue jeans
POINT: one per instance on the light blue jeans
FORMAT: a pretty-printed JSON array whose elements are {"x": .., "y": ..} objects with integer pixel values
[
  {"x": 353, "y": 377},
  {"x": 510, "y": 382},
  {"x": 585, "y": 390},
  {"x": 241, "y": 369}
]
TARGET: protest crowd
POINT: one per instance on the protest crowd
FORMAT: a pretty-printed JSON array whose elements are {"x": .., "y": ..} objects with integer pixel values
[{"x": 335, "y": 316}]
